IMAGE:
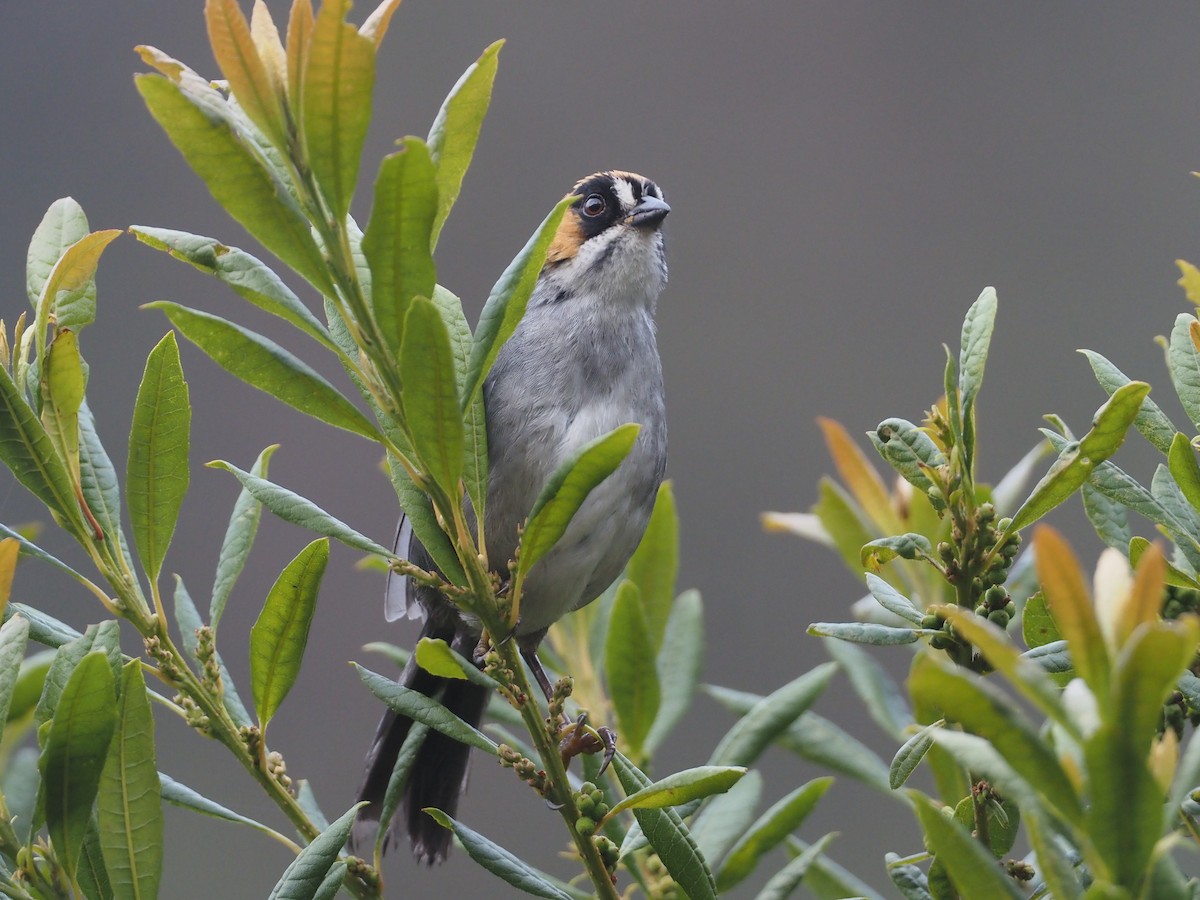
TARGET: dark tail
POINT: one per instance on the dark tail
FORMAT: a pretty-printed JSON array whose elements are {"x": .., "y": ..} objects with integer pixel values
[{"x": 440, "y": 769}]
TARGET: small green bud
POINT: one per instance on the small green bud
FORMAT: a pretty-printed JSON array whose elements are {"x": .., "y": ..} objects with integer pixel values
[
  {"x": 999, "y": 618},
  {"x": 981, "y": 611},
  {"x": 931, "y": 621},
  {"x": 587, "y": 787},
  {"x": 1011, "y": 609},
  {"x": 585, "y": 827},
  {"x": 596, "y": 795},
  {"x": 1003, "y": 524},
  {"x": 996, "y": 595},
  {"x": 939, "y": 642}
]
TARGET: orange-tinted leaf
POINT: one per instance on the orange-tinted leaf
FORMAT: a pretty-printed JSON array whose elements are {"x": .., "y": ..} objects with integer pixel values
[
  {"x": 238, "y": 57},
  {"x": 1070, "y": 604},
  {"x": 860, "y": 476}
]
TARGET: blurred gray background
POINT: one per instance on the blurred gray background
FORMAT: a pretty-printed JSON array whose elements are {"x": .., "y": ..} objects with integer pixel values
[{"x": 845, "y": 177}]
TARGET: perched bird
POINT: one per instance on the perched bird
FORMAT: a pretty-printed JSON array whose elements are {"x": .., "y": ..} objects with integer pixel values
[{"x": 582, "y": 362}]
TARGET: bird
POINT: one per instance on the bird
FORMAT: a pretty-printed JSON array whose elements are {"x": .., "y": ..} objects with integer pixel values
[{"x": 582, "y": 361}]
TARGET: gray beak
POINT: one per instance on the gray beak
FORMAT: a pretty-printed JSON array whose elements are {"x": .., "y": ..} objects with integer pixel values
[{"x": 649, "y": 212}]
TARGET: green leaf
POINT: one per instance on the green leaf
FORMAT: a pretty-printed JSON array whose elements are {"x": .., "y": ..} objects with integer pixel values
[
  {"x": 787, "y": 879},
  {"x": 252, "y": 279},
  {"x": 874, "y": 686},
  {"x": 420, "y": 708},
  {"x": 826, "y": 880},
  {"x": 91, "y": 875},
  {"x": 13, "y": 636},
  {"x": 1004, "y": 820},
  {"x": 629, "y": 661},
  {"x": 770, "y": 717},
  {"x": 239, "y": 538},
  {"x": 908, "y": 878},
  {"x": 910, "y": 754},
  {"x": 971, "y": 867},
  {"x": 771, "y": 828},
  {"x": 499, "y": 861},
  {"x": 236, "y": 177},
  {"x": 63, "y": 224},
  {"x": 1183, "y": 362},
  {"x": 867, "y": 633},
  {"x": 1147, "y": 668},
  {"x": 187, "y": 617},
  {"x": 306, "y": 875},
  {"x": 906, "y": 546},
  {"x": 723, "y": 819},
  {"x": 129, "y": 802},
  {"x": 418, "y": 509},
  {"x": 983, "y": 710},
  {"x": 339, "y": 77},
  {"x": 436, "y": 657},
  {"x": 1151, "y": 421},
  {"x": 1126, "y": 806},
  {"x": 1109, "y": 518},
  {"x": 156, "y": 477},
  {"x": 244, "y": 69},
  {"x": 1181, "y": 459},
  {"x": 104, "y": 636},
  {"x": 908, "y": 450},
  {"x": 568, "y": 488},
  {"x": 841, "y": 518},
  {"x": 1055, "y": 869},
  {"x": 265, "y": 365},
  {"x": 296, "y": 509},
  {"x": 679, "y": 662},
  {"x": 669, "y": 837},
  {"x": 893, "y": 601},
  {"x": 70, "y": 291},
  {"x": 1071, "y": 605},
  {"x": 280, "y": 634},
  {"x": 682, "y": 787},
  {"x": 455, "y": 131},
  {"x": 427, "y": 372},
  {"x": 181, "y": 795},
  {"x": 506, "y": 304},
  {"x": 100, "y": 486},
  {"x": 63, "y": 382},
  {"x": 397, "y": 243},
  {"x": 655, "y": 563},
  {"x": 1077, "y": 461},
  {"x": 44, "y": 629},
  {"x": 977, "y": 330},
  {"x": 401, "y": 771},
  {"x": 27, "y": 451},
  {"x": 76, "y": 746},
  {"x": 1037, "y": 624}
]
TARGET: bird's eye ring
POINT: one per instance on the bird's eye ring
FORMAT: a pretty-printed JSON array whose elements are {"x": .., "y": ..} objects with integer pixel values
[{"x": 594, "y": 205}]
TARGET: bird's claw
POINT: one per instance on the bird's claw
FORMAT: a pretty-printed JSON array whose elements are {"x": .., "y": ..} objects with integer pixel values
[{"x": 578, "y": 737}]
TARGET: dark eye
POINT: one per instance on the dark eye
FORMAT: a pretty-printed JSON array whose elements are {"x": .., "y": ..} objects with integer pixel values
[{"x": 593, "y": 205}]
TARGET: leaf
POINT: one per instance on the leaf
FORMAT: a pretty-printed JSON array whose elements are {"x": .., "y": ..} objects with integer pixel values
[
  {"x": 187, "y": 617},
  {"x": 70, "y": 291},
  {"x": 103, "y": 636},
  {"x": 251, "y": 278},
  {"x": 724, "y": 818},
  {"x": 681, "y": 787},
  {"x": 376, "y": 24},
  {"x": 339, "y": 78},
  {"x": 826, "y": 880},
  {"x": 1149, "y": 664},
  {"x": 397, "y": 243},
  {"x": 910, "y": 754},
  {"x": 263, "y": 364},
  {"x": 1055, "y": 869},
  {"x": 867, "y": 633},
  {"x": 497, "y": 860},
  {"x": 568, "y": 488},
  {"x": 1108, "y": 517},
  {"x": 1037, "y": 624},
  {"x": 971, "y": 867},
  {"x": 9, "y": 550},
  {"x": 76, "y": 746},
  {"x": 874, "y": 686},
  {"x": 1183, "y": 362},
  {"x": 843, "y": 521},
  {"x": 655, "y": 563},
  {"x": 892, "y": 600},
  {"x": 860, "y": 477},
  {"x": 977, "y": 329},
  {"x": 181, "y": 795},
  {"x": 44, "y": 629},
  {"x": 429, "y": 395},
  {"x": 236, "y": 177},
  {"x": 1181, "y": 459},
  {"x": 771, "y": 828},
  {"x": 236, "y": 54},
  {"x": 306, "y": 875},
  {"x": 1077, "y": 462},
  {"x": 506, "y": 303},
  {"x": 100, "y": 486},
  {"x": 908, "y": 450},
  {"x": 679, "y": 662},
  {"x": 787, "y": 879},
  {"x": 436, "y": 657},
  {"x": 1151, "y": 421},
  {"x": 770, "y": 717},
  {"x": 13, "y": 636},
  {"x": 1126, "y": 806},
  {"x": 299, "y": 34},
  {"x": 906, "y": 546},
  {"x": 280, "y": 633},
  {"x": 299, "y": 511},
  {"x": 63, "y": 224},
  {"x": 455, "y": 131},
  {"x": 629, "y": 662},
  {"x": 669, "y": 837},
  {"x": 27, "y": 451},
  {"x": 1070, "y": 604},
  {"x": 402, "y": 769},
  {"x": 419, "y": 708},
  {"x": 239, "y": 538},
  {"x": 129, "y": 804},
  {"x": 156, "y": 477}
]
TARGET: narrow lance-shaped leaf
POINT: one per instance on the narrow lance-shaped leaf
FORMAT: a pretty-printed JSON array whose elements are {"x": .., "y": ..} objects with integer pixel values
[
  {"x": 280, "y": 634},
  {"x": 239, "y": 538},
  {"x": 397, "y": 240},
  {"x": 455, "y": 131},
  {"x": 157, "y": 471},
  {"x": 655, "y": 564},
  {"x": 70, "y": 291},
  {"x": 1181, "y": 459},
  {"x": 1076, "y": 463},
  {"x": 427, "y": 372},
  {"x": 236, "y": 177},
  {"x": 1151, "y": 421},
  {"x": 13, "y": 636},
  {"x": 237, "y": 55},
  {"x": 977, "y": 329},
  {"x": 339, "y": 77},
  {"x": 63, "y": 382},
  {"x": 376, "y": 24},
  {"x": 860, "y": 478},
  {"x": 972, "y": 868},
  {"x": 130, "y": 801},
  {"x": 63, "y": 224},
  {"x": 103, "y": 636},
  {"x": 679, "y": 661},
  {"x": 76, "y": 746},
  {"x": 1071, "y": 605},
  {"x": 265, "y": 365},
  {"x": 100, "y": 486},
  {"x": 506, "y": 303},
  {"x": 306, "y": 874},
  {"x": 179, "y": 794},
  {"x": 1183, "y": 362},
  {"x": 908, "y": 450},
  {"x": 682, "y": 787},
  {"x": 568, "y": 488},
  {"x": 420, "y": 708},
  {"x": 630, "y": 667},
  {"x": 270, "y": 47},
  {"x": 299, "y": 33}
]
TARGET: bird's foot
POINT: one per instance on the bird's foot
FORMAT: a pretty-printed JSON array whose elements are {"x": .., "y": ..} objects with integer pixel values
[{"x": 579, "y": 737}]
